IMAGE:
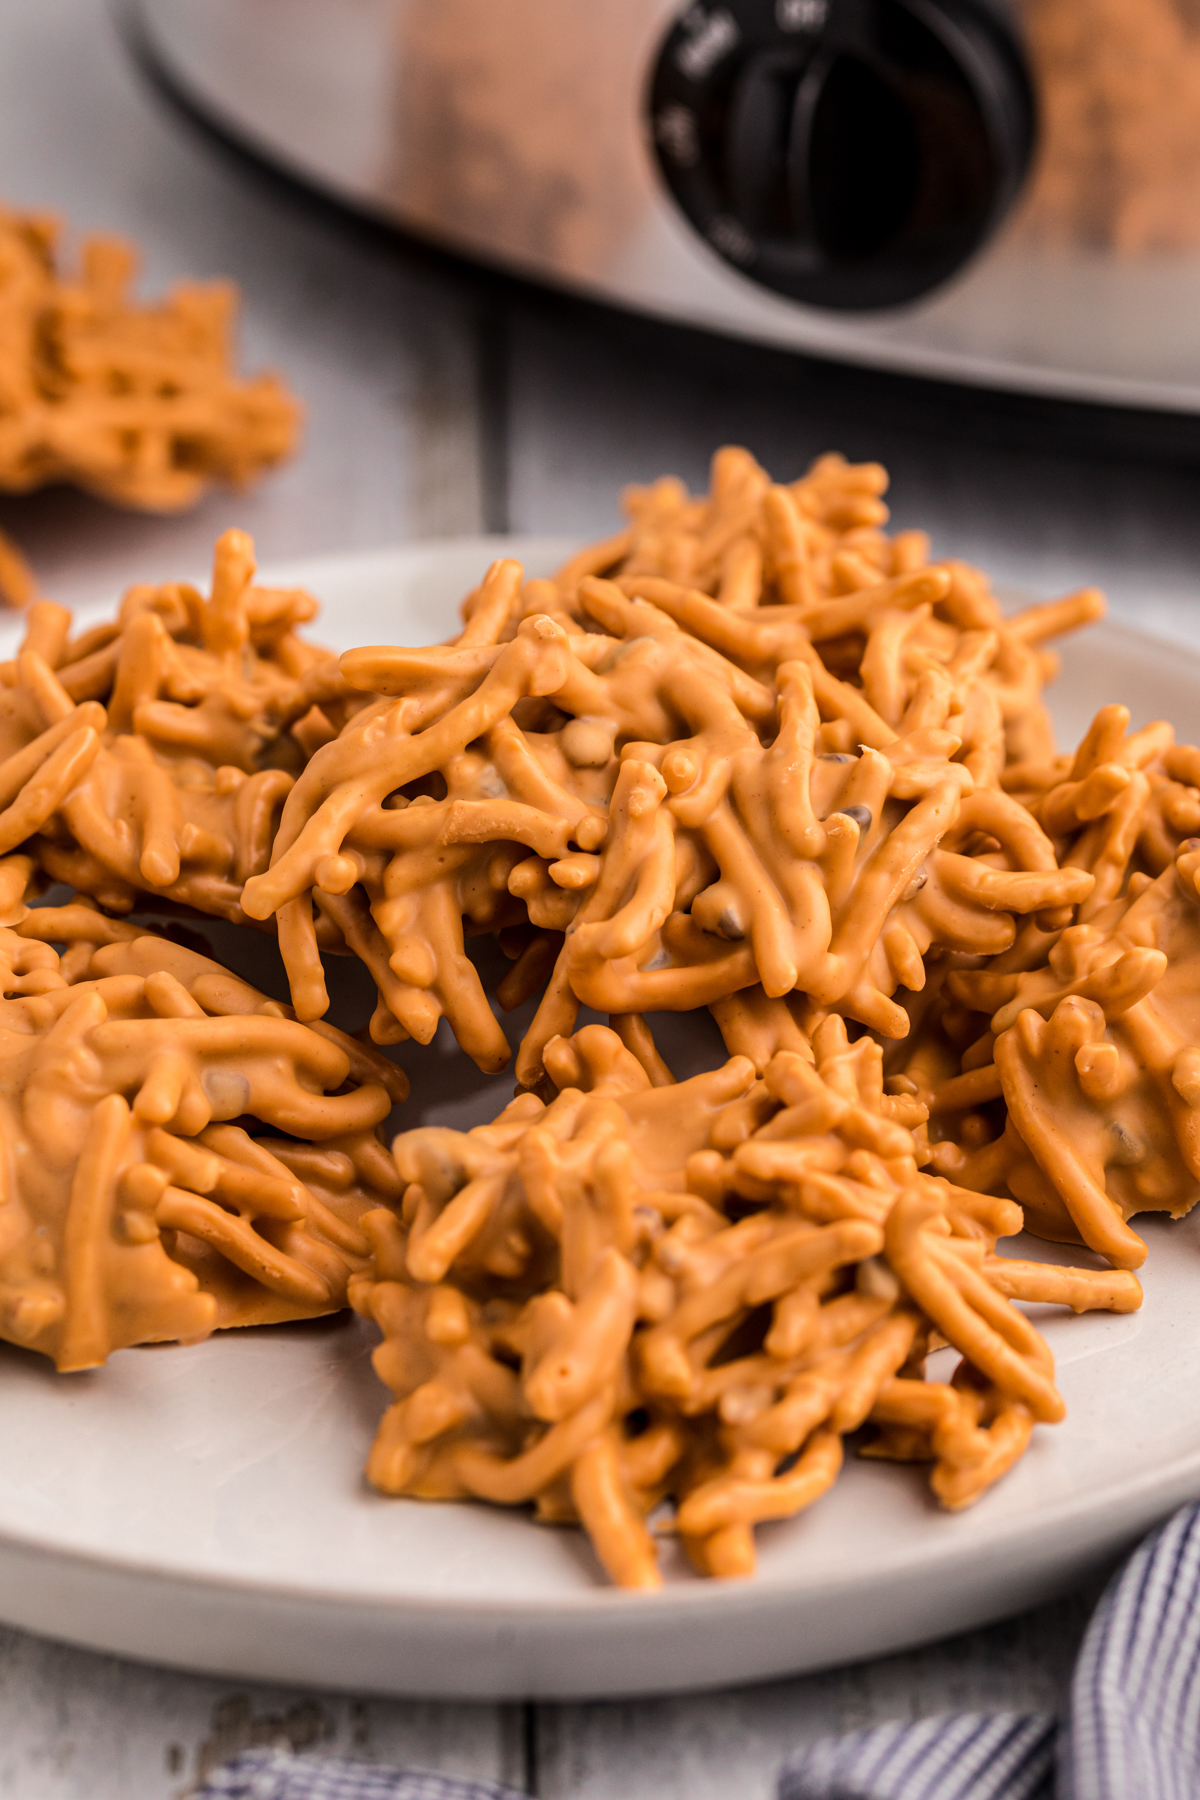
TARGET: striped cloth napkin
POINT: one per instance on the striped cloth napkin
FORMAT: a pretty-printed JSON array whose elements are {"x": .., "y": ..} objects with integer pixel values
[
  {"x": 274, "y": 1775},
  {"x": 1131, "y": 1730}
]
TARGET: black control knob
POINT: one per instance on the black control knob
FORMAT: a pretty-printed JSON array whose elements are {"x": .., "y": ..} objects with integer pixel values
[{"x": 848, "y": 153}]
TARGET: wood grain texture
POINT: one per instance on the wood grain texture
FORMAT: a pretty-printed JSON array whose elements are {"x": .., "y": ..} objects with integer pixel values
[
  {"x": 75, "y": 1726},
  {"x": 714, "y": 1746}
]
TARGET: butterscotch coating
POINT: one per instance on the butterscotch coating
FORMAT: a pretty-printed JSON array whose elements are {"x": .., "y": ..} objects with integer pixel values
[
  {"x": 141, "y": 405},
  {"x": 1085, "y": 1016},
  {"x": 754, "y": 755},
  {"x": 1121, "y": 806},
  {"x": 1097, "y": 1055},
  {"x": 729, "y": 865},
  {"x": 138, "y": 1207},
  {"x": 692, "y": 1293},
  {"x": 154, "y": 754},
  {"x": 817, "y": 548},
  {"x": 720, "y": 845}
]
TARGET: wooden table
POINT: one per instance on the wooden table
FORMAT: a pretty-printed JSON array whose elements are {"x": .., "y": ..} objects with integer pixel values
[{"x": 442, "y": 402}]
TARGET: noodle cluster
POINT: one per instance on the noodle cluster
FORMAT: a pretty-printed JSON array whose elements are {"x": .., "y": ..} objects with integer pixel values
[
  {"x": 152, "y": 755},
  {"x": 135, "y": 1208},
  {"x": 694, "y": 1293},
  {"x": 684, "y": 794}
]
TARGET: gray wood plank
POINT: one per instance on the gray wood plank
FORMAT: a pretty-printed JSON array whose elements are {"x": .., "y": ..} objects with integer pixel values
[
  {"x": 76, "y": 1726},
  {"x": 715, "y": 1746},
  {"x": 381, "y": 347}
]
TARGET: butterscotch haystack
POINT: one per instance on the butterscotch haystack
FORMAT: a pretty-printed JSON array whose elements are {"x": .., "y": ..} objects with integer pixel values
[
  {"x": 139, "y": 404},
  {"x": 747, "y": 755},
  {"x": 1097, "y": 1057},
  {"x": 693, "y": 1293},
  {"x": 151, "y": 755},
  {"x": 1067, "y": 1068},
  {"x": 141, "y": 1201}
]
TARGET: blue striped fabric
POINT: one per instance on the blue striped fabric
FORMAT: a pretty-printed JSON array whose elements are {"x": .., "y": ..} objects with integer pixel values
[
  {"x": 1132, "y": 1729},
  {"x": 988, "y": 1756},
  {"x": 275, "y": 1775},
  {"x": 1135, "y": 1699}
]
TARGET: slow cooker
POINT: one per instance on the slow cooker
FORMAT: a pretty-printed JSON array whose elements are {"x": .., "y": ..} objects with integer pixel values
[{"x": 1005, "y": 195}]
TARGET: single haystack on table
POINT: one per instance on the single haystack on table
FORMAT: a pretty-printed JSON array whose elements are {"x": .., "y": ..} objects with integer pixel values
[{"x": 141, "y": 405}]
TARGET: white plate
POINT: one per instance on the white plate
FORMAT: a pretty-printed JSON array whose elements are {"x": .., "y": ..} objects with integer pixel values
[{"x": 206, "y": 1507}]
